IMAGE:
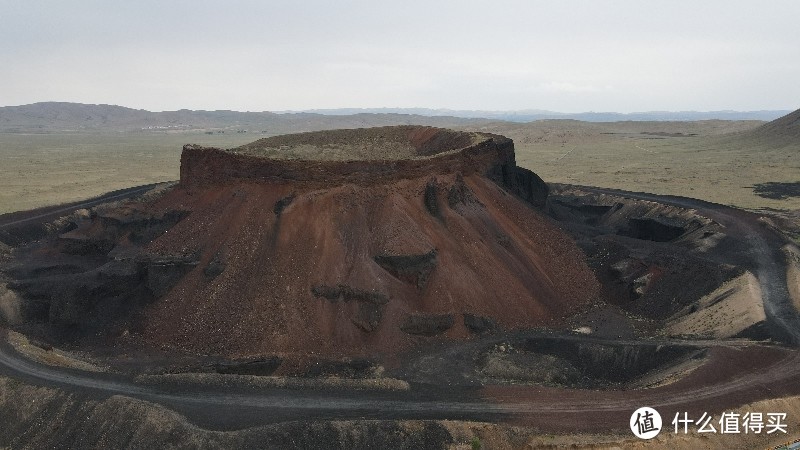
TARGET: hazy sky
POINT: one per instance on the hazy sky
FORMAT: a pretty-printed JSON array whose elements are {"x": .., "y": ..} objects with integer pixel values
[{"x": 568, "y": 56}]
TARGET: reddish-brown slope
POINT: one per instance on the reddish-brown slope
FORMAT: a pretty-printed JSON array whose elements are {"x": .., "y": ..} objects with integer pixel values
[{"x": 496, "y": 256}]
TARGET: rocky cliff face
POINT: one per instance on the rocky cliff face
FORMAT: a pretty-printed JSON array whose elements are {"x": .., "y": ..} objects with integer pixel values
[{"x": 434, "y": 151}]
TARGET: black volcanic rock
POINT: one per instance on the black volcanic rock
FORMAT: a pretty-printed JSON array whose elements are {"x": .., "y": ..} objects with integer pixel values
[{"x": 427, "y": 325}]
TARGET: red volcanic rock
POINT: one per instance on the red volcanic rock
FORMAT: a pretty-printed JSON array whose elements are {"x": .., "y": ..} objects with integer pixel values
[{"x": 374, "y": 240}]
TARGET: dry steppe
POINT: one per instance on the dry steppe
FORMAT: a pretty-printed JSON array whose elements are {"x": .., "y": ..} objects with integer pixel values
[{"x": 718, "y": 161}]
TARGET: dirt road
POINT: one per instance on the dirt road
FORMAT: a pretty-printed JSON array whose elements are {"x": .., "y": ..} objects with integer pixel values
[
  {"x": 733, "y": 376},
  {"x": 751, "y": 245}
]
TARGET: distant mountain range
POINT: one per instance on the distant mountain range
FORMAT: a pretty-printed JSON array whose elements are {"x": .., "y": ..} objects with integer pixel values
[
  {"x": 76, "y": 117},
  {"x": 530, "y": 115}
]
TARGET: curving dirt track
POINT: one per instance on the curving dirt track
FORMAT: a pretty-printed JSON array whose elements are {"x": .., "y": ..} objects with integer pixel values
[
  {"x": 734, "y": 375},
  {"x": 48, "y": 213},
  {"x": 751, "y": 245}
]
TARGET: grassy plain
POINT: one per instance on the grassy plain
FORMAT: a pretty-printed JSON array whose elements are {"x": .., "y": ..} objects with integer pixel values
[
  {"x": 718, "y": 161},
  {"x": 44, "y": 169},
  {"x": 715, "y": 161}
]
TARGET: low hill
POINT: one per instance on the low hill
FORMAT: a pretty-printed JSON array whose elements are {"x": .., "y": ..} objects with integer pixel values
[
  {"x": 50, "y": 117},
  {"x": 787, "y": 126}
]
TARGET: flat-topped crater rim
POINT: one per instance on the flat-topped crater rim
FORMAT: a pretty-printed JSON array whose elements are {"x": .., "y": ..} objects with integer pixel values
[
  {"x": 359, "y": 155},
  {"x": 389, "y": 143}
]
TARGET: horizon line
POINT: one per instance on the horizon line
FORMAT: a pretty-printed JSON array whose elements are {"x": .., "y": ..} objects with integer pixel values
[{"x": 389, "y": 109}]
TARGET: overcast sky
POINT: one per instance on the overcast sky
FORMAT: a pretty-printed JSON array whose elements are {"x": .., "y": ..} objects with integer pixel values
[{"x": 568, "y": 56}]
